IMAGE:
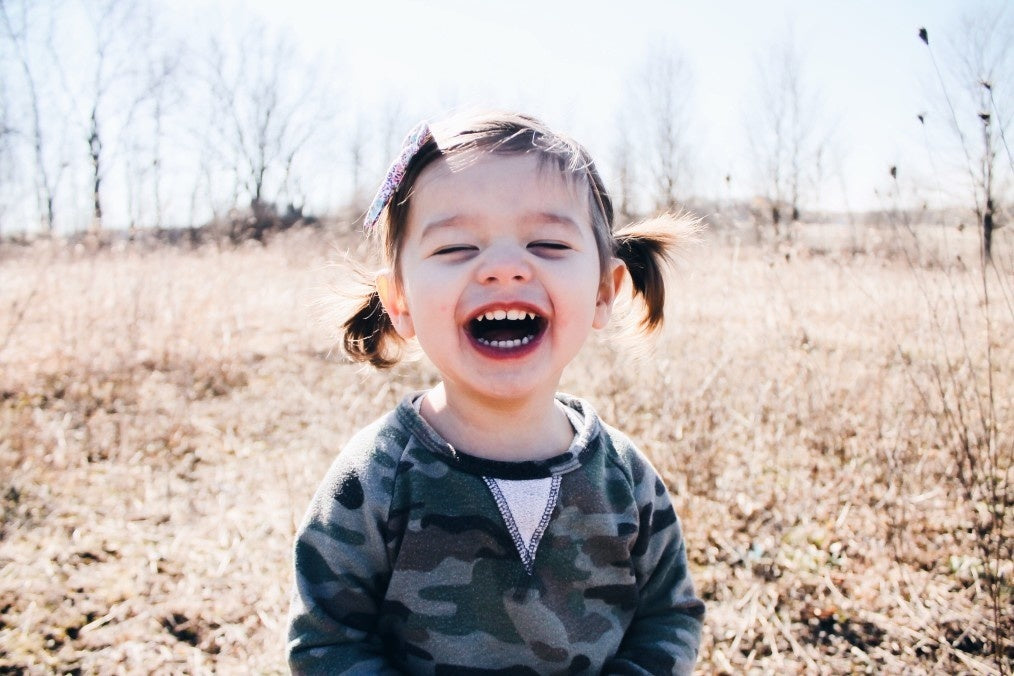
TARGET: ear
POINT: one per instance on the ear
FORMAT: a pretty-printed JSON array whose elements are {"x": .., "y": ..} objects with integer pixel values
[
  {"x": 610, "y": 286},
  {"x": 393, "y": 300}
]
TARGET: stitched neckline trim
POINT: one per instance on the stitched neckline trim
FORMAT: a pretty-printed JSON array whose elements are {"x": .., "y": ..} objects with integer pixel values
[{"x": 525, "y": 551}]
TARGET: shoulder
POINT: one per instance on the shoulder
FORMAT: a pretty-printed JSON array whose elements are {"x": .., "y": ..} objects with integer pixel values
[
  {"x": 631, "y": 460},
  {"x": 620, "y": 454},
  {"x": 658, "y": 525},
  {"x": 366, "y": 468}
]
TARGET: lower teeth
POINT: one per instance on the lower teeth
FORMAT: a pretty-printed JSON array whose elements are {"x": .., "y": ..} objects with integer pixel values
[{"x": 517, "y": 342}]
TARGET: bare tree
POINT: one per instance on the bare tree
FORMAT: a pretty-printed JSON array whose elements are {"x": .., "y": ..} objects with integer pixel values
[
  {"x": 658, "y": 111},
  {"x": 17, "y": 19},
  {"x": 157, "y": 92},
  {"x": 263, "y": 113},
  {"x": 111, "y": 23},
  {"x": 73, "y": 90},
  {"x": 787, "y": 135},
  {"x": 392, "y": 123},
  {"x": 980, "y": 65},
  {"x": 357, "y": 143},
  {"x": 624, "y": 166}
]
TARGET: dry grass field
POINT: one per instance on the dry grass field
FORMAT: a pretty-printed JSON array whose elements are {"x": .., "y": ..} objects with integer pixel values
[{"x": 836, "y": 429}]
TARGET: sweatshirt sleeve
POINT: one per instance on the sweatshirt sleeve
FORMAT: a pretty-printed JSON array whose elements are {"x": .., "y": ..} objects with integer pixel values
[
  {"x": 342, "y": 568},
  {"x": 665, "y": 634}
]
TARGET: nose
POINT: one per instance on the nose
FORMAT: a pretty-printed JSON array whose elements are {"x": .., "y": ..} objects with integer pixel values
[{"x": 504, "y": 262}]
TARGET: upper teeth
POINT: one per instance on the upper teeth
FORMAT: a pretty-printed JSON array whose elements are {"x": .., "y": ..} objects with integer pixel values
[{"x": 506, "y": 314}]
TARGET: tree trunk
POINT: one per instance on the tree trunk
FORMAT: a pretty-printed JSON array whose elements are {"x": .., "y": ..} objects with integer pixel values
[
  {"x": 987, "y": 232},
  {"x": 95, "y": 146}
]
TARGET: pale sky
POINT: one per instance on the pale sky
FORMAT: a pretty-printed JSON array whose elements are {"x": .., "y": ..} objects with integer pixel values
[
  {"x": 573, "y": 64},
  {"x": 569, "y": 61}
]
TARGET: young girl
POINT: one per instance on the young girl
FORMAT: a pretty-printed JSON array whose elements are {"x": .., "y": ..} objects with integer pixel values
[{"x": 490, "y": 524}]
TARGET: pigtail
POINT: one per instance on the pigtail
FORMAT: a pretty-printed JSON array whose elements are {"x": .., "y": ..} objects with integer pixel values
[
  {"x": 647, "y": 249},
  {"x": 358, "y": 325},
  {"x": 369, "y": 336}
]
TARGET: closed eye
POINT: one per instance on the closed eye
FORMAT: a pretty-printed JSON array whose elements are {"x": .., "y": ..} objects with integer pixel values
[
  {"x": 453, "y": 249},
  {"x": 550, "y": 245}
]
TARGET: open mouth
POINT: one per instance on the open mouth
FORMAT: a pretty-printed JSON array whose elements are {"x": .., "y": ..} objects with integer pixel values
[{"x": 506, "y": 329}]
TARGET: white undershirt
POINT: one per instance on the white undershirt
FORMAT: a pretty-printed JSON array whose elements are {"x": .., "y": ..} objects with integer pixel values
[{"x": 528, "y": 501}]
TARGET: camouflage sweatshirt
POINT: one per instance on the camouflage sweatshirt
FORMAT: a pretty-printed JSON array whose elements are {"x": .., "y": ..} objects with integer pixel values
[{"x": 416, "y": 557}]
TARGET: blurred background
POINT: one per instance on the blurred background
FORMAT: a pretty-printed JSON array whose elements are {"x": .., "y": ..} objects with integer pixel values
[
  {"x": 154, "y": 114},
  {"x": 831, "y": 401}
]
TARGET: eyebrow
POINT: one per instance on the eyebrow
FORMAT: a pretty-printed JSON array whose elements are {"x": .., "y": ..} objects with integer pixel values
[
  {"x": 551, "y": 217},
  {"x": 532, "y": 218},
  {"x": 439, "y": 224}
]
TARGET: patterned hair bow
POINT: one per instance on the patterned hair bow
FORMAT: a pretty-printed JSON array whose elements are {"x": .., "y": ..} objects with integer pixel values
[{"x": 415, "y": 140}]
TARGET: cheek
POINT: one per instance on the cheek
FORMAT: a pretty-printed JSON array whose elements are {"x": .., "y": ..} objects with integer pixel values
[
  {"x": 431, "y": 307},
  {"x": 578, "y": 310},
  {"x": 441, "y": 311},
  {"x": 432, "y": 288}
]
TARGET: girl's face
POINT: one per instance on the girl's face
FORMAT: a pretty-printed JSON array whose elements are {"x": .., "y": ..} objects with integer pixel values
[{"x": 499, "y": 277}]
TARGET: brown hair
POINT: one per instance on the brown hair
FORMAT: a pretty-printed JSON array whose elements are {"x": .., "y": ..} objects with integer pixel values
[{"x": 646, "y": 248}]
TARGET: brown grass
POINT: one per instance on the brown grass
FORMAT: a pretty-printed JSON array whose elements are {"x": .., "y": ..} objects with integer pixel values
[{"x": 166, "y": 415}]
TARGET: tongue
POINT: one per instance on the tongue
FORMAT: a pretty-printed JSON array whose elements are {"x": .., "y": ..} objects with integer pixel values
[
  {"x": 503, "y": 333},
  {"x": 502, "y": 329}
]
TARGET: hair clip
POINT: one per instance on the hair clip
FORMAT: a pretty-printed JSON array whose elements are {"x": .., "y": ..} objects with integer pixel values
[{"x": 415, "y": 140}]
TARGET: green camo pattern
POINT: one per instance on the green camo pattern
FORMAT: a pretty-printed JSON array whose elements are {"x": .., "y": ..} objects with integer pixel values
[{"x": 405, "y": 565}]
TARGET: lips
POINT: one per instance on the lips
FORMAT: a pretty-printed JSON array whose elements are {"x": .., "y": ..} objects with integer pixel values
[{"x": 506, "y": 329}]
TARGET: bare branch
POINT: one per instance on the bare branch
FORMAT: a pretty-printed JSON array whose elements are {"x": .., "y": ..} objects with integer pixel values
[
  {"x": 658, "y": 117},
  {"x": 788, "y": 135}
]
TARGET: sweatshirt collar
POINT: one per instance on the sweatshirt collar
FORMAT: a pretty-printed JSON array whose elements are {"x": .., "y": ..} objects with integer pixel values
[{"x": 582, "y": 418}]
